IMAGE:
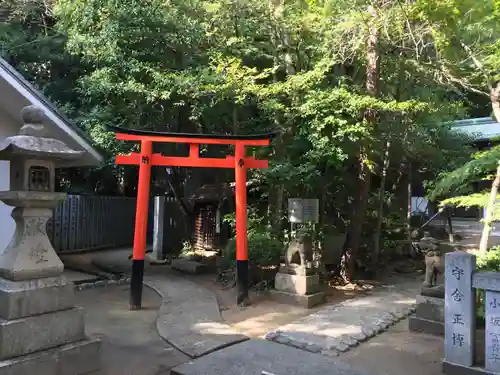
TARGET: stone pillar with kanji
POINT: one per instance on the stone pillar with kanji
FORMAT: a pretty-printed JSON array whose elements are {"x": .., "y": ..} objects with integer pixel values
[{"x": 460, "y": 304}]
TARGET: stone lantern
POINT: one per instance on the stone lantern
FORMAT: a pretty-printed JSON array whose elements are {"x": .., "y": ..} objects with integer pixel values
[{"x": 41, "y": 331}]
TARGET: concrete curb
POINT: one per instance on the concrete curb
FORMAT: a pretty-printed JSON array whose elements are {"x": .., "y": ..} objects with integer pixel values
[{"x": 102, "y": 283}]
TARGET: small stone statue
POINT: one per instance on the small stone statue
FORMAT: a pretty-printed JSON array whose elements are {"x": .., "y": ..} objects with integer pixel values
[
  {"x": 434, "y": 266},
  {"x": 301, "y": 244}
]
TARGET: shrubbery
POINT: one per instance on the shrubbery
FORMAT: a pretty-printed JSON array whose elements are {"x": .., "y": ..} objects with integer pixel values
[
  {"x": 489, "y": 261},
  {"x": 486, "y": 262},
  {"x": 263, "y": 250}
]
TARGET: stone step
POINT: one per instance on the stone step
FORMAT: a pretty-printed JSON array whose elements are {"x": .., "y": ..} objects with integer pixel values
[
  {"x": 307, "y": 301},
  {"x": 188, "y": 266},
  {"x": 30, "y": 334},
  {"x": 19, "y": 299},
  {"x": 78, "y": 358}
]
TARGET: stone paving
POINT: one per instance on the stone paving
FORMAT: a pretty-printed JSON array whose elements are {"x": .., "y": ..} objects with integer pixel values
[
  {"x": 130, "y": 341},
  {"x": 337, "y": 328},
  {"x": 189, "y": 317}
]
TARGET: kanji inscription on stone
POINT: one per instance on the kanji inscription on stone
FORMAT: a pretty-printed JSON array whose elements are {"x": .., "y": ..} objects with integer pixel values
[
  {"x": 35, "y": 226},
  {"x": 492, "y": 335},
  {"x": 303, "y": 210},
  {"x": 459, "y": 308},
  {"x": 39, "y": 254}
]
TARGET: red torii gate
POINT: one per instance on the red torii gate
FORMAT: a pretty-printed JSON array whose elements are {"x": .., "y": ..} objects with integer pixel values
[{"x": 146, "y": 159}]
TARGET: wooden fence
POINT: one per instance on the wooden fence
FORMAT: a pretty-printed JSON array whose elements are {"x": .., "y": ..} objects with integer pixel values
[{"x": 85, "y": 222}]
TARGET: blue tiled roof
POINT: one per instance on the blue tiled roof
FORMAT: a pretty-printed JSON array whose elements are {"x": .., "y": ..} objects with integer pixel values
[{"x": 482, "y": 128}]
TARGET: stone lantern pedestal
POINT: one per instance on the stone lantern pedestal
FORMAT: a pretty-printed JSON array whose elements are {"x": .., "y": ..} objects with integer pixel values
[
  {"x": 298, "y": 283},
  {"x": 298, "y": 286},
  {"x": 42, "y": 332}
]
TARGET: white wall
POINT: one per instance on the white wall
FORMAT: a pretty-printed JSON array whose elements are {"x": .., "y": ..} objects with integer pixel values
[
  {"x": 419, "y": 206},
  {"x": 8, "y": 127}
]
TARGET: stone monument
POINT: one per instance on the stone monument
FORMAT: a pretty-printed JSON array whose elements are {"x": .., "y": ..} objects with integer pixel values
[
  {"x": 429, "y": 317},
  {"x": 297, "y": 281},
  {"x": 41, "y": 331}
]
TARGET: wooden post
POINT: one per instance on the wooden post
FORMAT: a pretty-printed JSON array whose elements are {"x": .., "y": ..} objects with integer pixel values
[
  {"x": 141, "y": 224},
  {"x": 241, "y": 224},
  {"x": 158, "y": 228}
]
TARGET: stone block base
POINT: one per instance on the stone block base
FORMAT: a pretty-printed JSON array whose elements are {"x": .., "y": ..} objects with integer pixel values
[
  {"x": 430, "y": 308},
  {"x": 294, "y": 269},
  {"x": 19, "y": 299},
  {"x": 188, "y": 266},
  {"x": 81, "y": 357},
  {"x": 307, "y": 301},
  {"x": 422, "y": 325},
  {"x": 39, "y": 332},
  {"x": 454, "y": 369},
  {"x": 296, "y": 284}
]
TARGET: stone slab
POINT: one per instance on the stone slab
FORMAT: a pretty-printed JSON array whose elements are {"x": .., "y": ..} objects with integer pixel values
[
  {"x": 188, "y": 266},
  {"x": 308, "y": 301},
  {"x": 492, "y": 328},
  {"x": 257, "y": 357},
  {"x": 199, "y": 344},
  {"x": 293, "y": 269},
  {"x": 460, "y": 325},
  {"x": 189, "y": 318},
  {"x": 159, "y": 216},
  {"x": 421, "y": 325},
  {"x": 27, "y": 335},
  {"x": 19, "y": 299},
  {"x": 430, "y": 308},
  {"x": 296, "y": 284},
  {"x": 78, "y": 358},
  {"x": 450, "y": 368},
  {"x": 486, "y": 281}
]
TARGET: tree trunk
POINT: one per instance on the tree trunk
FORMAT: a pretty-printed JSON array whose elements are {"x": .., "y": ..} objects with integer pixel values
[
  {"x": 495, "y": 101},
  {"x": 380, "y": 210},
  {"x": 364, "y": 175},
  {"x": 401, "y": 172},
  {"x": 490, "y": 210},
  {"x": 408, "y": 211},
  {"x": 280, "y": 36}
]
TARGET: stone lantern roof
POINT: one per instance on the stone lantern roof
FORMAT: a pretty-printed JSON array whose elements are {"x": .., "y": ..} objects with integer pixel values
[{"x": 31, "y": 140}]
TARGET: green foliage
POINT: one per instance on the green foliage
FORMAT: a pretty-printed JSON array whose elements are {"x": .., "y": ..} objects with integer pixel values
[
  {"x": 255, "y": 221},
  {"x": 460, "y": 180},
  {"x": 248, "y": 66},
  {"x": 263, "y": 250},
  {"x": 489, "y": 261},
  {"x": 473, "y": 200}
]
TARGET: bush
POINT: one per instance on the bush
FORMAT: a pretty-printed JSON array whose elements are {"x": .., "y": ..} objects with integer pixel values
[
  {"x": 486, "y": 262},
  {"x": 263, "y": 250},
  {"x": 489, "y": 261}
]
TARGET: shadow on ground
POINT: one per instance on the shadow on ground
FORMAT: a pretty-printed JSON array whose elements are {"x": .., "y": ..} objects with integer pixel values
[{"x": 399, "y": 351}]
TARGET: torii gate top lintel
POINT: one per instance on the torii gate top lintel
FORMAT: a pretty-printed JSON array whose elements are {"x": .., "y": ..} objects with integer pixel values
[
  {"x": 169, "y": 137},
  {"x": 145, "y": 159}
]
